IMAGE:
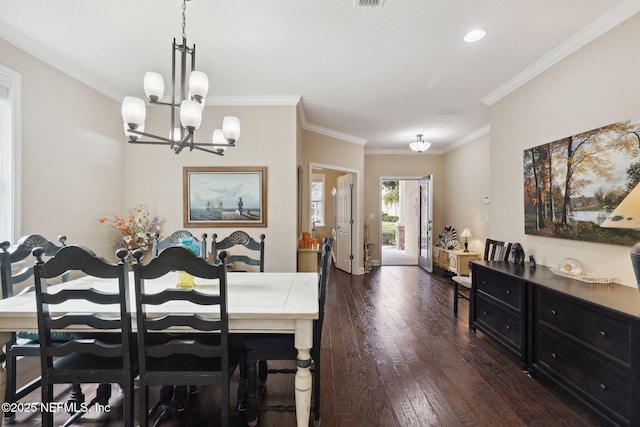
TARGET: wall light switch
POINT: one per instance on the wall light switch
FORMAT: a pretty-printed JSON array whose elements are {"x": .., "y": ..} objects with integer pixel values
[
  {"x": 372, "y": 216},
  {"x": 485, "y": 199}
]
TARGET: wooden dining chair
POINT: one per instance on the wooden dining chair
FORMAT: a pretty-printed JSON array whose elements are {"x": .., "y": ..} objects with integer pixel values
[
  {"x": 200, "y": 354},
  {"x": 179, "y": 238},
  {"x": 104, "y": 357},
  {"x": 249, "y": 251},
  {"x": 261, "y": 347},
  {"x": 25, "y": 344},
  {"x": 494, "y": 250}
]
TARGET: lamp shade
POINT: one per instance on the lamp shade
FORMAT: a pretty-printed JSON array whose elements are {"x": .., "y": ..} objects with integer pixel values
[
  {"x": 134, "y": 112},
  {"x": 190, "y": 114},
  {"x": 231, "y": 128},
  {"x": 198, "y": 85},
  {"x": 218, "y": 139},
  {"x": 465, "y": 233},
  {"x": 132, "y": 135},
  {"x": 153, "y": 85},
  {"x": 419, "y": 146},
  {"x": 627, "y": 213}
]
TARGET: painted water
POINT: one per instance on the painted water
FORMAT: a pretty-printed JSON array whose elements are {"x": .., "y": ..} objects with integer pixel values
[{"x": 222, "y": 214}]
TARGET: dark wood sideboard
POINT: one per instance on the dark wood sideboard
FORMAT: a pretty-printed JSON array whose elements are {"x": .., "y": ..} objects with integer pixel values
[{"x": 584, "y": 338}]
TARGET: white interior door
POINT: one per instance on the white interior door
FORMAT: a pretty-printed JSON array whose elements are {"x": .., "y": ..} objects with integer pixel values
[
  {"x": 344, "y": 223},
  {"x": 425, "y": 254}
]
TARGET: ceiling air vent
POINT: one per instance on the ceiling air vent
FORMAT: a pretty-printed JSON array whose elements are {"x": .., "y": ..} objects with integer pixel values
[{"x": 374, "y": 3}]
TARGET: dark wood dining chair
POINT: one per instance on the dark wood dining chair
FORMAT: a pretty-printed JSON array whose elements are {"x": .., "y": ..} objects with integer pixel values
[
  {"x": 25, "y": 344},
  {"x": 261, "y": 347},
  {"x": 176, "y": 239},
  {"x": 494, "y": 250},
  {"x": 104, "y": 357},
  {"x": 253, "y": 250},
  {"x": 200, "y": 354}
]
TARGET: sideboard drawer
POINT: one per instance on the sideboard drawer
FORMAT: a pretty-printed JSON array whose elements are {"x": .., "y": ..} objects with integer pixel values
[
  {"x": 607, "y": 389},
  {"x": 504, "y": 325},
  {"x": 604, "y": 332},
  {"x": 501, "y": 287}
]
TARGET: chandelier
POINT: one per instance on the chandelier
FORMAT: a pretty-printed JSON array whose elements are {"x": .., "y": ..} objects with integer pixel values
[
  {"x": 186, "y": 106},
  {"x": 419, "y": 145}
]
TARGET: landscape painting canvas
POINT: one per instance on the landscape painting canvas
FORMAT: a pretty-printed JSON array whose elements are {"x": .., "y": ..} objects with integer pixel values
[
  {"x": 225, "y": 196},
  {"x": 571, "y": 185}
]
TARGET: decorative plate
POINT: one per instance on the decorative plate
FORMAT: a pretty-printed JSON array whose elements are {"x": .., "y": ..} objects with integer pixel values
[{"x": 570, "y": 266}]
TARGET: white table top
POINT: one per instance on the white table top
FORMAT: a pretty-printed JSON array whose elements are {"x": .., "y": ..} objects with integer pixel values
[{"x": 257, "y": 302}]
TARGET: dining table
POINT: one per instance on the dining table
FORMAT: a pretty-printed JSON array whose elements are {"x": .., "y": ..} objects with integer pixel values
[{"x": 284, "y": 302}]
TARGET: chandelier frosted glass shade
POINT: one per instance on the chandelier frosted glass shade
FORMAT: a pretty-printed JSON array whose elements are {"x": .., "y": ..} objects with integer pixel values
[
  {"x": 134, "y": 112},
  {"x": 198, "y": 85},
  {"x": 153, "y": 85},
  {"x": 190, "y": 114},
  {"x": 231, "y": 129}
]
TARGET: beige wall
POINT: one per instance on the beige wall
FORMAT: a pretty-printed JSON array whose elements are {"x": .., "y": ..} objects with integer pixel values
[
  {"x": 332, "y": 153},
  {"x": 595, "y": 86},
  {"x": 153, "y": 174},
  {"x": 409, "y": 165},
  {"x": 72, "y": 154},
  {"x": 467, "y": 181}
]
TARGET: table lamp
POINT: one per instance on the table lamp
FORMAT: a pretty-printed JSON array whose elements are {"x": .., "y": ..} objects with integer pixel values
[
  {"x": 627, "y": 215},
  {"x": 466, "y": 234}
]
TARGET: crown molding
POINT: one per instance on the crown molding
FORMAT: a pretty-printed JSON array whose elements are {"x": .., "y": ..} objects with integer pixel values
[
  {"x": 39, "y": 52},
  {"x": 227, "y": 100},
  {"x": 469, "y": 137},
  {"x": 401, "y": 151},
  {"x": 606, "y": 22},
  {"x": 333, "y": 134}
]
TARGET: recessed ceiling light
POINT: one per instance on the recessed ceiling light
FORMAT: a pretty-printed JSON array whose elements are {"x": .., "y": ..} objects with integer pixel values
[{"x": 475, "y": 35}]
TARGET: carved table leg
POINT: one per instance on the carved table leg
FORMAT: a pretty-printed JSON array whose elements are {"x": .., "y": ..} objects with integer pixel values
[{"x": 303, "y": 380}]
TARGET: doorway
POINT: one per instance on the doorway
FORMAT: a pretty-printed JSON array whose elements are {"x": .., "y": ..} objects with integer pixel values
[
  {"x": 333, "y": 196},
  {"x": 399, "y": 221}
]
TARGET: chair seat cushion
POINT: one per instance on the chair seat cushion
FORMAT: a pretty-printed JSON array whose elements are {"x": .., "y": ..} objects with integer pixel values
[{"x": 462, "y": 281}]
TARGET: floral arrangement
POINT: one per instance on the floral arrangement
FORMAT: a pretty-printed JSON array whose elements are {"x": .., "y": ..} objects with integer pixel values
[{"x": 137, "y": 230}]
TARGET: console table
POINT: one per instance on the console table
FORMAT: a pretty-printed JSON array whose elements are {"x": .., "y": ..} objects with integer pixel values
[
  {"x": 454, "y": 260},
  {"x": 584, "y": 338}
]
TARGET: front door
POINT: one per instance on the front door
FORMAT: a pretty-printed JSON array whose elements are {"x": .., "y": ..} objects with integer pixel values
[{"x": 425, "y": 241}]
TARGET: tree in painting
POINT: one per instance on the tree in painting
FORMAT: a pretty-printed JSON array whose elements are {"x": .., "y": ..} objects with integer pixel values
[{"x": 570, "y": 185}]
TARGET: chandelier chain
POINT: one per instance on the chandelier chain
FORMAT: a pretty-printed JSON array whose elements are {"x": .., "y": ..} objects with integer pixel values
[{"x": 184, "y": 19}]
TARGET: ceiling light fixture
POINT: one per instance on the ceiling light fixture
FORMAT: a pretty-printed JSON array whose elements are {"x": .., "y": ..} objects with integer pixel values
[
  {"x": 419, "y": 146},
  {"x": 475, "y": 35},
  {"x": 186, "y": 107}
]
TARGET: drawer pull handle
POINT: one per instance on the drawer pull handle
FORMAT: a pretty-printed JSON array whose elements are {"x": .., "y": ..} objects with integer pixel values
[
  {"x": 485, "y": 313},
  {"x": 555, "y": 356},
  {"x": 554, "y": 313},
  {"x": 603, "y": 387},
  {"x": 508, "y": 327},
  {"x": 603, "y": 333},
  {"x": 508, "y": 292},
  {"x": 484, "y": 282}
]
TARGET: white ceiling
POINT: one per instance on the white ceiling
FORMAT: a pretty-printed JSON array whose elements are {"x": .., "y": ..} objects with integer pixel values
[{"x": 371, "y": 75}]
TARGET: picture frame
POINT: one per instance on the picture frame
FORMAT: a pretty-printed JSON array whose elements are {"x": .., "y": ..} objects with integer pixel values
[
  {"x": 225, "y": 196},
  {"x": 572, "y": 184}
]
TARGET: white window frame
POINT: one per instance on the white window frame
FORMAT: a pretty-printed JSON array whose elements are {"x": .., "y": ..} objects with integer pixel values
[
  {"x": 318, "y": 177},
  {"x": 11, "y": 160}
]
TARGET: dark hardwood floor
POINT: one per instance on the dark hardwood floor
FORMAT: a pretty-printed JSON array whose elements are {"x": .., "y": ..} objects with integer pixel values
[{"x": 393, "y": 354}]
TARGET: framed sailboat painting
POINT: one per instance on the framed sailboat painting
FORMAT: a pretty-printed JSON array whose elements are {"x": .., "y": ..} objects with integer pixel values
[{"x": 225, "y": 196}]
